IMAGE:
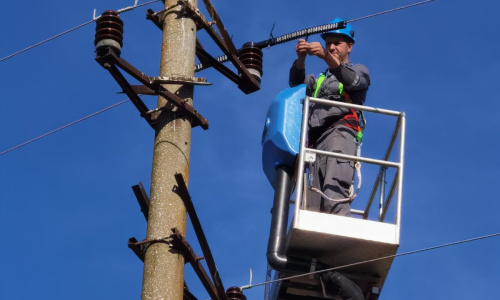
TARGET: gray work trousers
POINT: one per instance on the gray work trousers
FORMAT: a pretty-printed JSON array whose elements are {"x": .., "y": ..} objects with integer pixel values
[{"x": 333, "y": 176}]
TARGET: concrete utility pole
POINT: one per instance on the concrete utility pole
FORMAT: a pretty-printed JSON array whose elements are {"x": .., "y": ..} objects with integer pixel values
[{"x": 163, "y": 266}]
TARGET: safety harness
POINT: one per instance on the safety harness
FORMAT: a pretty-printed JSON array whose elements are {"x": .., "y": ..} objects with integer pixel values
[{"x": 351, "y": 120}]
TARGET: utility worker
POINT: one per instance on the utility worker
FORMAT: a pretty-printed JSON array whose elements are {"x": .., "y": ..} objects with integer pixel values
[{"x": 332, "y": 129}]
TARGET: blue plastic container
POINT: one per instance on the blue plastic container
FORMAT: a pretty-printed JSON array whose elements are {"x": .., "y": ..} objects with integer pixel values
[{"x": 281, "y": 136}]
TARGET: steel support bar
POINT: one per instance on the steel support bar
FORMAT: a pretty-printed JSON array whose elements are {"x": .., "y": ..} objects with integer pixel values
[
  {"x": 355, "y": 158},
  {"x": 205, "y": 57},
  {"x": 383, "y": 171},
  {"x": 218, "y": 22},
  {"x": 156, "y": 17},
  {"x": 393, "y": 139},
  {"x": 138, "y": 249},
  {"x": 247, "y": 83},
  {"x": 182, "y": 191},
  {"x": 179, "y": 243},
  {"x": 142, "y": 198},
  {"x": 187, "y": 294},
  {"x": 110, "y": 58},
  {"x": 161, "y": 91},
  {"x": 144, "y": 90},
  {"x": 355, "y": 106},
  {"x": 402, "y": 124},
  {"x": 372, "y": 196},
  {"x": 129, "y": 91},
  {"x": 394, "y": 185}
]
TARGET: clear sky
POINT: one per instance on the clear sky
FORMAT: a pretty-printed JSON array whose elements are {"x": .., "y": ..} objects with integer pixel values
[{"x": 67, "y": 208}]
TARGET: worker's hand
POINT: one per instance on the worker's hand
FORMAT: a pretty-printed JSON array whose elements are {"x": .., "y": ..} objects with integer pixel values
[
  {"x": 302, "y": 48},
  {"x": 316, "y": 49}
]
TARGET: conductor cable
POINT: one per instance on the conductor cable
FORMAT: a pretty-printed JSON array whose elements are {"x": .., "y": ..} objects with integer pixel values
[
  {"x": 307, "y": 32},
  {"x": 63, "y": 127},
  {"x": 73, "y": 29},
  {"x": 377, "y": 259}
]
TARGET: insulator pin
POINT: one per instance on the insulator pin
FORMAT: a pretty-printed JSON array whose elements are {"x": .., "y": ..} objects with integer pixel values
[
  {"x": 251, "y": 57},
  {"x": 109, "y": 31},
  {"x": 235, "y": 293}
]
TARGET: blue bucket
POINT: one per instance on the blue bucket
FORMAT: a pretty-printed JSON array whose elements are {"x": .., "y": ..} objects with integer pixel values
[{"x": 281, "y": 136}]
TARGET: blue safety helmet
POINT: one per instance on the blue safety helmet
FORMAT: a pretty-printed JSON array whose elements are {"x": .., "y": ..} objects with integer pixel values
[{"x": 347, "y": 31}]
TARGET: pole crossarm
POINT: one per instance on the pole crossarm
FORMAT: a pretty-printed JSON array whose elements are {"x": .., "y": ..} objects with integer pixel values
[
  {"x": 224, "y": 42},
  {"x": 244, "y": 79},
  {"x": 109, "y": 60},
  {"x": 142, "y": 198},
  {"x": 182, "y": 191},
  {"x": 205, "y": 57},
  {"x": 179, "y": 243}
]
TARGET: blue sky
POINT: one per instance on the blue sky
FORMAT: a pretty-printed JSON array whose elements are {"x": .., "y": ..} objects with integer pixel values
[{"x": 67, "y": 208}]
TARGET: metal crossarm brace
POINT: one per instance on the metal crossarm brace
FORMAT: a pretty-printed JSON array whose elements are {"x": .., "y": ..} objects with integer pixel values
[
  {"x": 182, "y": 191},
  {"x": 156, "y": 17},
  {"x": 206, "y": 58},
  {"x": 187, "y": 294},
  {"x": 109, "y": 59},
  {"x": 138, "y": 249},
  {"x": 128, "y": 90},
  {"x": 179, "y": 243},
  {"x": 247, "y": 82},
  {"x": 220, "y": 26},
  {"x": 144, "y": 90},
  {"x": 142, "y": 198}
]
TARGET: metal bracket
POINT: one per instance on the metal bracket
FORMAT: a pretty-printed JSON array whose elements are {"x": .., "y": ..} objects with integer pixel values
[
  {"x": 142, "y": 198},
  {"x": 247, "y": 83},
  {"x": 139, "y": 250},
  {"x": 310, "y": 157},
  {"x": 214, "y": 285},
  {"x": 109, "y": 60},
  {"x": 182, "y": 191},
  {"x": 179, "y": 80},
  {"x": 179, "y": 243},
  {"x": 144, "y": 90},
  {"x": 156, "y": 17},
  {"x": 244, "y": 79}
]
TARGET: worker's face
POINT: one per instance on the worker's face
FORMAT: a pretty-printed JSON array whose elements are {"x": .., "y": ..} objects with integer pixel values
[{"x": 339, "y": 46}]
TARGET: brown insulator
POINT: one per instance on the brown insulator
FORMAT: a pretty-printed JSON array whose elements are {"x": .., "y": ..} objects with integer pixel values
[
  {"x": 109, "y": 31},
  {"x": 251, "y": 57},
  {"x": 235, "y": 293}
]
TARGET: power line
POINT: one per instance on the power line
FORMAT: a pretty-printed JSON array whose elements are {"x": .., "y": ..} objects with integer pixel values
[
  {"x": 306, "y": 32},
  {"x": 63, "y": 127},
  {"x": 125, "y": 9},
  {"x": 376, "y": 259},
  {"x": 389, "y": 11}
]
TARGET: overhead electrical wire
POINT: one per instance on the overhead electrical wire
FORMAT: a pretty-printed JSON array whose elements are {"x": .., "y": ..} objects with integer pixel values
[
  {"x": 199, "y": 67},
  {"x": 389, "y": 11},
  {"x": 125, "y": 9},
  {"x": 63, "y": 127},
  {"x": 307, "y": 32},
  {"x": 376, "y": 259}
]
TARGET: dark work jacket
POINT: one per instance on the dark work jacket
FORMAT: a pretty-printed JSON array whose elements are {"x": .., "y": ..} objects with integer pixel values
[{"x": 356, "y": 81}]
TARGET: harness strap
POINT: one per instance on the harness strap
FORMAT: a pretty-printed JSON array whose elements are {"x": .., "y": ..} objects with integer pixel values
[
  {"x": 319, "y": 82},
  {"x": 350, "y": 120}
]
